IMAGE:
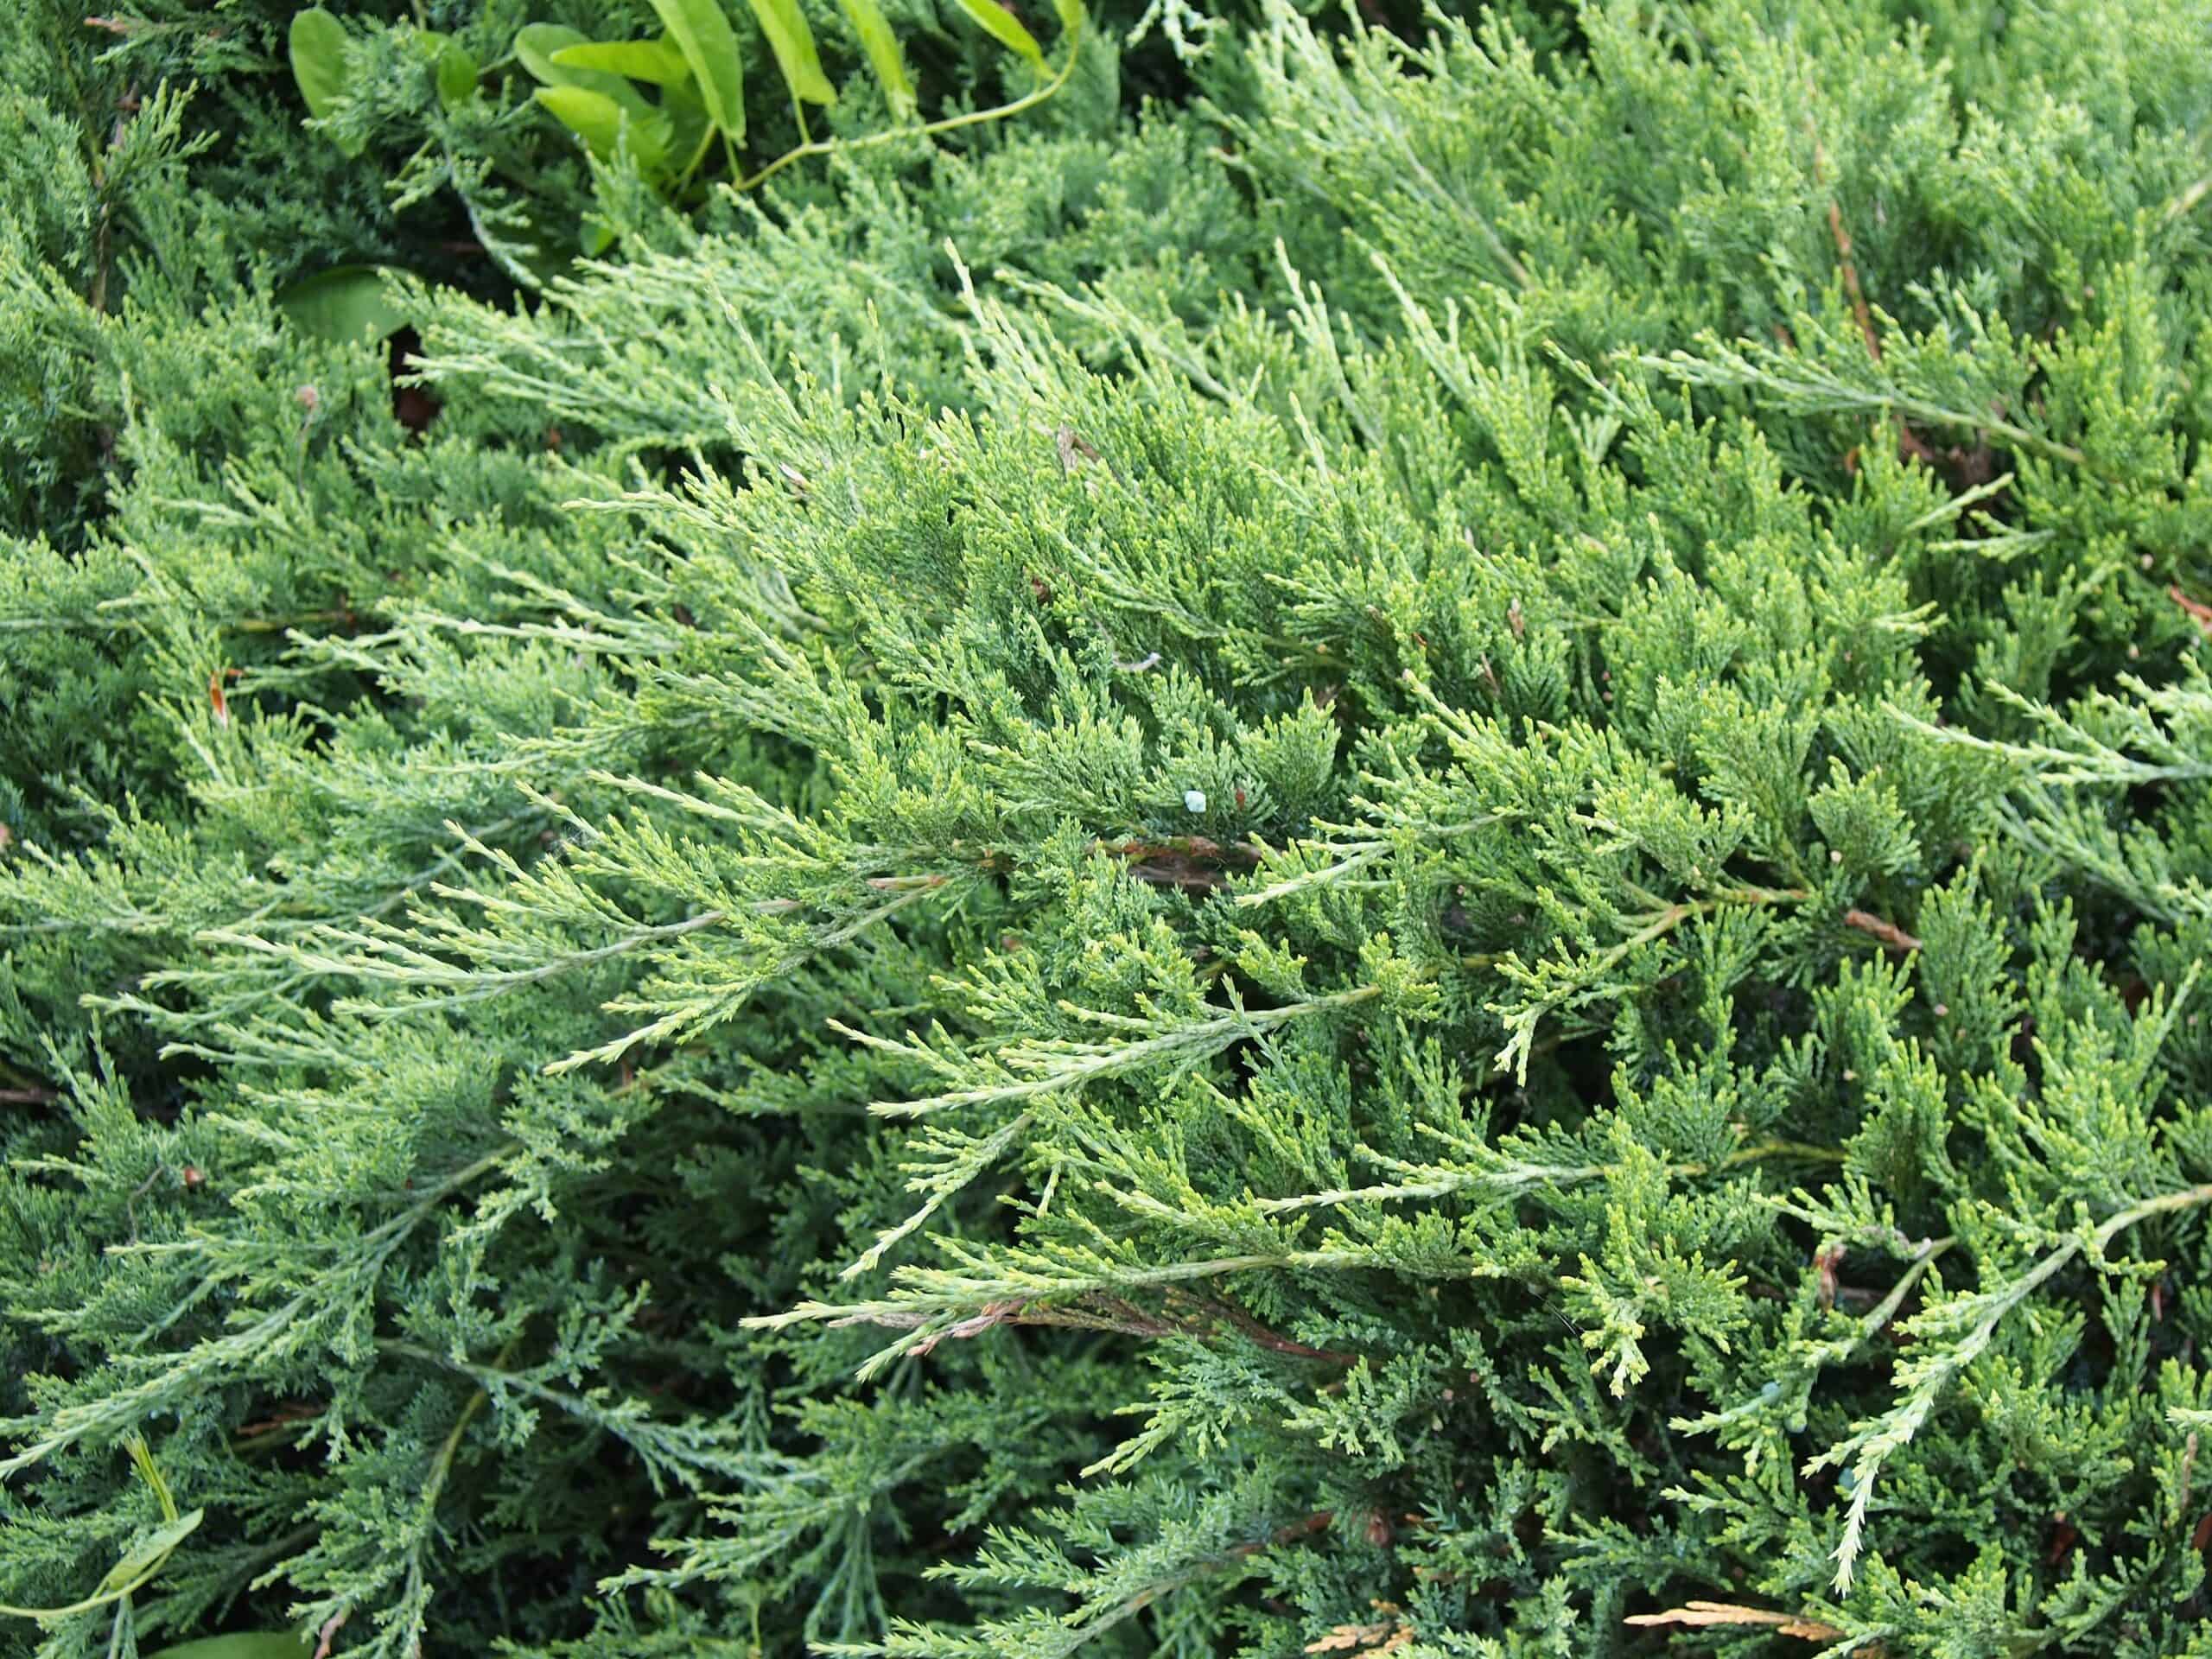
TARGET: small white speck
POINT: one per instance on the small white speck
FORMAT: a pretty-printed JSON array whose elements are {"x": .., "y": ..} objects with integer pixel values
[{"x": 1194, "y": 800}]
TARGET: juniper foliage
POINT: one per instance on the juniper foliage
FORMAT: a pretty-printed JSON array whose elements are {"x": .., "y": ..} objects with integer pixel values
[{"x": 1406, "y": 857}]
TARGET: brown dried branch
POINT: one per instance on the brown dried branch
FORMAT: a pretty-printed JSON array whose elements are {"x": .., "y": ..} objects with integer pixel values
[
  {"x": 1191, "y": 862},
  {"x": 1317, "y": 1522},
  {"x": 2199, "y": 613},
  {"x": 1858, "y": 306},
  {"x": 1888, "y": 932},
  {"x": 1387, "y": 1636},
  {"x": 1700, "y": 1613},
  {"x": 1074, "y": 449},
  {"x": 1274, "y": 1341}
]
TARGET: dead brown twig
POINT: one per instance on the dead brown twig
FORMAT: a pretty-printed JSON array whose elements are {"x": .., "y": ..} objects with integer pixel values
[
  {"x": 1705, "y": 1613},
  {"x": 1271, "y": 1340},
  {"x": 1888, "y": 932},
  {"x": 1968, "y": 469},
  {"x": 1192, "y": 861},
  {"x": 1384, "y": 1636},
  {"x": 1858, "y": 306},
  {"x": 2198, "y": 612}
]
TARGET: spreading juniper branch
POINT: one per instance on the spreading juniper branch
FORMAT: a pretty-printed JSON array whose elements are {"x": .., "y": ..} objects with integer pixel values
[
  {"x": 690, "y": 1454},
  {"x": 2144, "y": 735},
  {"x": 1805, "y": 1365},
  {"x": 2128, "y": 746},
  {"x": 1499, "y": 1174},
  {"x": 930, "y": 1304},
  {"x": 1295, "y": 573},
  {"x": 1949, "y": 1336},
  {"x": 341, "y": 1291},
  {"x": 1026, "y": 1069},
  {"x": 1805, "y": 386},
  {"x": 1347, "y": 856},
  {"x": 1554, "y": 986}
]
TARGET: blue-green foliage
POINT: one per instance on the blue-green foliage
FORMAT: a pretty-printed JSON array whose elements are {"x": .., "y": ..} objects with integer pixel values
[{"x": 1408, "y": 856}]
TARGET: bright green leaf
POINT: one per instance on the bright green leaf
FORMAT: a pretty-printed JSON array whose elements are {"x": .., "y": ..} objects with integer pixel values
[
  {"x": 538, "y": 44},
  {"x": 138, "y": 1566},
  {"x": 692, "y": 128},
  {"x": 701, "y": 33},
  {"x": 245, "y": 1644},
  {"x": 592, "y": 117},
  {"x": 1071, "y": 12},
  {"x": 1004, "y": 27},
  {"x": 457, "y": 72},
  {"x": 145, "y": 1558},
  {"x": 346, "y": 302},
  {"x": 792, "y": 43},
  {"x": 660, "y": 61},
  {"x": 317, "y": 47},
  {"x": 602, "y": 122},
  {"x": 883, "y": 54}
]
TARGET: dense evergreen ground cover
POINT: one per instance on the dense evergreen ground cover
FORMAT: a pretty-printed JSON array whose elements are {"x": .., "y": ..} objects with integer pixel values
[{"x": 1389, "y": 835}]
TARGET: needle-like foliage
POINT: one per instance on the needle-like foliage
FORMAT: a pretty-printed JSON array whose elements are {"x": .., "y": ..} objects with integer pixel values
[{"x": 1393, "y": 838}]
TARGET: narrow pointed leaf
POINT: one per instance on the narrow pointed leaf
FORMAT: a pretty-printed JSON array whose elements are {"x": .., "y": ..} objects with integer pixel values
[
  {"x": 1005, "y": 28},
  {"x": 659, "y": 60},
  {"x": 535, "y": 45},
  {"x": 317, "y": 47},
  {"x": 691, "y": 128},
  {"x": 540, "y": 44},
  {"x": 143, "y": 1559},
  {"x": 701, "y": 33},
  {"x": 137, "y": 1568},
  {"x": 792, "y": 43},
  {"x": 884, "y": 56}
]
